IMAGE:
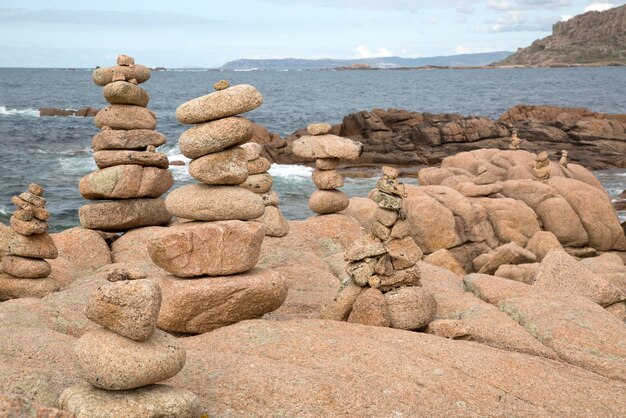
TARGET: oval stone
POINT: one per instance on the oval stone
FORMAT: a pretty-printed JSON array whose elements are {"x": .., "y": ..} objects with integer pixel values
[
  {"x": 123, "y": 215},
  {"x": 110, "y": 158},
  {"x": 258, "y": 183},
  {"x": 29, "y": 268},
  {"x": 112, "y": 362},
  {"x": 126, "y": 117},
  {"x": 117, "y": 139},
  {"x": 202, "y": 202},
  {"x": 327, "y": 179},
  {"x": 411, "y": 307},
  {"x": 123, "y": 92},
  {"x": 125, "y": 182},
  {"x": 327, "y": 146},
  {"x": 328, "y": 201},
  {"x": 220, "y": 104},
  {"x": 224, "y": 167},
  {"x": 258, "y": 166},
  {"x": 103, "y": 76},
  {"x": 214, "y": 136}
]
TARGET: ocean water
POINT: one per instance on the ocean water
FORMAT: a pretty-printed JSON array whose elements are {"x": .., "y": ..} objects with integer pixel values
[{"x": 55, "y": 151}]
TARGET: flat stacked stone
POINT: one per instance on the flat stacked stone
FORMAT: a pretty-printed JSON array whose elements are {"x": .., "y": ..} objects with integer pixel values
[
  {"x": 132, "y": 175},
  {"x": 124, "y": 359},
  {"x": 211, "y": 260},
  {"x": 24, "y": 247},
  {"x": 385, "y": 288},
  {"x": 327, "y": 150},
  {"x": 259, "y": 181}
]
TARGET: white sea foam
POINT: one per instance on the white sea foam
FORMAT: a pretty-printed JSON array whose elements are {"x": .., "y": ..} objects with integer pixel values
[
  {"x": 290, "y": 170},
  {"x": 18, "y": 112}
]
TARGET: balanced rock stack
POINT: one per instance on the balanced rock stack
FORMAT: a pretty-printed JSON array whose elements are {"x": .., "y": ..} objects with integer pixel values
[
  {"x": 221, "y": 248},
  {"x": 327, "y": 150},
  {"x": 125, "y": 359},
  {"x": 24, "y": 246},
  {"x": 132, "y": 175},
  {"x": 259, "y": 181},
  {"x": 385, "y": 288}
]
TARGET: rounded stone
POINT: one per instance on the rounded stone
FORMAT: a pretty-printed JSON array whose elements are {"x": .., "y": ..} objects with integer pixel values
[
  {"x": 103, "y": 76},
  {"x": 319, "y": 128},
  {"x": 327, "y": 163},
  {"x": 136, "y": 139},
  {"x": 275, "y": 224},
  {"x": 220, "y": 104},
  {"x": 221, "y": 85},
  {"x": 327, "y": 146},
  {"x": 123, "y": 215},
  {"x": 259, "y": 166},
  {"x": 270, "y": 198},
  {"x": 258, "y": 183},
  {"x": 253, "y": 150},
  {"x": 126, "y": 117},
  {"x": 112, "y": 158},
  {"x": 125, "y": 182},
  {"x": 113, "y": 362},
  {"x": 214, "y": 136},
  {"x": 327, "y": 179},
  {"x": 15, "y": 287},
  {"x": 202, "y": 202},
  {"x": 328, "y": 201},
  {"x": 386, "y": 217},
  {"x": 35, "y": 189},
  {"x": 32, "y": 227},
  {"x": 125, "y": 60},
  {"x": 223, "y": 167},
  {"x": 123, "y": 92},
  {"x": 24, "y": 267},
  {"x": 32, "y": 246},
  {"x": 410, "y": 308}
]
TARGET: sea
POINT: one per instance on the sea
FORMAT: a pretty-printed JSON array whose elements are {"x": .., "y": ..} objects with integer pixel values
[{"x": 55, "y": 151}]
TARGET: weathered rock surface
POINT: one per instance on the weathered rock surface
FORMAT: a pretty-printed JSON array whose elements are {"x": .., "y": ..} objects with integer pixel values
[
  {"x": 275, "y": 224},
  {"x": 124, "y": 215},
  {"x": 258, "y": 183},
  {"x": 118, "y": 139},
  {"x": 224, "y": 167},
  {"x": 33, "y": 246},
  {"x": 328, "y": 201},
  {"x": 220, "y": 104},
  {"x": 327, "y": 146},
  {"x": 125, "y": 182},
  {"x": 28, "y": 268},
  {"x": 126, "y": 117},
  {"x": 123, "y": 92},
  {"x": 214, "y": 136},
  {"x": 103, "y": 76},
  {"x": 13, "y": 287},
  {"x": 109, "y": 158},
  {"x": 370, "y": 308},
  {"x": 15, "y": 406},
  {"x": 411, "y": 307}
]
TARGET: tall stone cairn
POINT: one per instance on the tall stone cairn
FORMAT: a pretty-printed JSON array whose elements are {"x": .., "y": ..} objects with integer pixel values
[
  {"x": 219, "y": 250},
  {"x": 385, "y": 289},
  {"x": 123, "y": 361},
  {"x": 131, "y": 175},
  {"x": 24, "y": 248},
  {"x": 260, "y": 182},
  {"x": 327, "y": 150}
]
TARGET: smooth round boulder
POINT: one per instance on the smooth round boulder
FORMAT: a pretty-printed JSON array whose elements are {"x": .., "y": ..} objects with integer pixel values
[
  {"x": 123, "y": 92},
  {"x": 154, "y": 401},
  {"x": 103, "y": 76},
  {"x": 327, "y": 163},
  {"x": 220, "y": 104},
  {"x": 411, "y": 307},
  {"x": 275, "y": 224},
  {"x": 327, "y": 179},
  {"x": 328, "y": 201},
  {"x": 125, "y": 182},
  {"x": 210, "y": 137},
  {"x": 122, "y": 215},
  {"x": 16, "y": 287},
  {"x": 33, "y": 246},
  {"x": 118, "y": 139},
  {"x": 327, "y": 146},
  {"x": 112, "y": 158},
  {"x": 253, "y": 150},
  {"x": 202, "y": 202},
  {"x": 258, "y": 166},
  {"x": 28, "y": 268},
  {"x": 227, "y": 167},
  {"x": 195, "y": 249},
  {"x": 113, "y": 362},
  {"x": 318, "y": 128},
  {"x": 258, "y": 183},
  {"x": 126, "y": 117}
]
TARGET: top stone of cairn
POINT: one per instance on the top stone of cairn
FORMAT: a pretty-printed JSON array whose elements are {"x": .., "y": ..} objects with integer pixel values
[
  {"x": 220, "y": 104},
  {"x": 125, "y": 70},
  {"x": 327, "y": 146}
]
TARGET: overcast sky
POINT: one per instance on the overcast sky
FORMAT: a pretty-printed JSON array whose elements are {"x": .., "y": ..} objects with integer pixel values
[{"x": 207, "y": 33}]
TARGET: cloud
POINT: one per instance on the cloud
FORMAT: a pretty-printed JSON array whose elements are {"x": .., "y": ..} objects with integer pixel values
[
  {"x": 464, "y": 49},
  {"x": 100, "y": 17},
  {"x": 510, "y": 5},
  {"x": 363, "y": 52},
  {"x": 387, "y": 5},
  {"x": 516, "y": 21},
  {"x": 598, "y": 6},
  {"x": 465, "y": 9}
]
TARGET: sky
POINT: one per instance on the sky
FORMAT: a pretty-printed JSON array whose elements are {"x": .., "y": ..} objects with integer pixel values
[{"x": 208, "y": 33}]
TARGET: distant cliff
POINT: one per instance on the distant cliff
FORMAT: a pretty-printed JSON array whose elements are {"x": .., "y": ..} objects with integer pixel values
[{"x": 590, "y": 38}]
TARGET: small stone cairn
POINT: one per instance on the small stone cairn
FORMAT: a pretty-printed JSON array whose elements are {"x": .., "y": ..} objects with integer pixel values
[
  {"x": 260, "y": 182},
  {"x": 385, "y": 288},
  {"x": 124, "y": 360},
  {"x": 564, "y": 158},
  {"x": 515, "y": 141},
  {"x": 219, "y": 250},
  {"x": 327, "y": 150},
  {"x": 132, "y": 175},
  {"x": 541, "y": 169},
  {"x": 24, "y": 248}
]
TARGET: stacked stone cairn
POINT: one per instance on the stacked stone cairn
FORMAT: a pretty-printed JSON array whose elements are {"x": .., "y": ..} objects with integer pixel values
[
  {"x": 327, "y": 150},
  {"x": 221, "y": 247},
  {"x": 123, "y": 361},
  {"x": 132, "y": 175},
  {"x": 24, "y": 248},
  {"x": 259, "y": 181},
  {"x": 385, "y": 288},
  {"x": 541, "y": 169}
]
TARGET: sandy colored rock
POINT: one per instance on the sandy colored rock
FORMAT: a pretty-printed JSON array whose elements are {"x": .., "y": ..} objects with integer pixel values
[
  {"x": 103, "y": 76},
  {"x": 380, "y": 231},
  {"x": 126, "y": 117},
  {"x": 215, "y": 136},
  {"x": 275, "y": 223},
  {"x": 407, "y": 277},
  {"x": 387, "y": 201},
  {"x": 328, "y": 201},
  {"x": 124, "y": 214},
  {"x": 125, "y": 182},
  {"x": 327, "y": 179},
  {"x": 128, "y": 308},
  {"x": 404, "y": 252},
  {"x": 259, "y": 165},
  {"x": 386, "y": 217},
  {"x": 32, "y": 227},
  {"x": 220, "y": 104},
  {"x": 33, "y": 246},
  {"x": 154, "y": 401},
  {"x": 109, "y": 158},
  {"x": 204, "y": 304},
  {"x": 258, "y": 183},
  {"x": 214, "y": 203},
  {"x": 444, "y": 259},
  {"x": 318, "y": 128},
  {"x": 123, "y": 92},
  {"x": 339, "y": 309},
  {"x": 227, "y": 167},
  {"x": 16, "y": 406},
  {"x": 112, "y": 362},
  {"x": 410, "y": 307},
  {"x": 270, "y": 198},
  {"x": 401, "y": 229},
  {"x": 13, "y": 287},
  {"x": 28, "y": 268},
  {"x": 366, "y": 246},
  {"x": 117, "y": 139},
  {"x": 327, "y": 163},
  {"x": 195, "y": 249},
  {"x": 510, "y": 253},
  {"x": 370, "y": 308},
  {"x": 361, "y": 271},
  {"x": 327, "y": 146},
  {"x": 253, "y": 150},
  {"x": 524, "y": 273},
  {"x": 35, "y": 200},
  {"x": 494, "y": 289},
  {"x": 542, "y": 243}
]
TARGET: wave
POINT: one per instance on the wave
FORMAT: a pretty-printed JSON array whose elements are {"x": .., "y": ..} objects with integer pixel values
[
  {"x": 245, "y": 69},
  {"x": 18, "y": 112},
  {"x": 290, "y": 170}
]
